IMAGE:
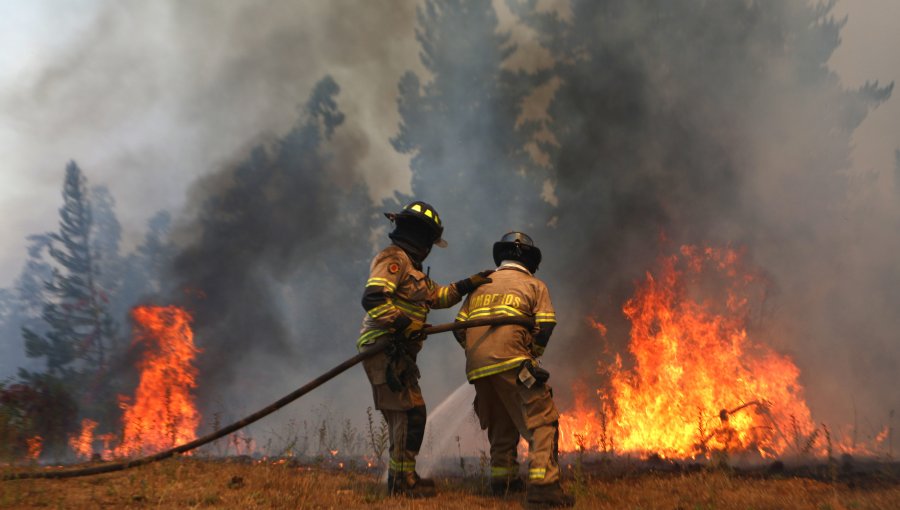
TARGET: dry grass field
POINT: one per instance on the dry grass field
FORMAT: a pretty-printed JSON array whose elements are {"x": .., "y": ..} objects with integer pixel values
[{"x": 195, "y": 483}]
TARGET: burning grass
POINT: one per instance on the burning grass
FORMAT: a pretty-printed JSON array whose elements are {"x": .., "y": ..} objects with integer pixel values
[{"x": 241, "y": 483}]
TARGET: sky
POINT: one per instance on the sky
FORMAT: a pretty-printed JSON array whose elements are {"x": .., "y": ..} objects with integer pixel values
[{"x": 145, "y": 109}]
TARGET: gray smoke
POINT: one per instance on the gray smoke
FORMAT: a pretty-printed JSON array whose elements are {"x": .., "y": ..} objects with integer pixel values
[
  {"x": 714, "y": 122},
  {"x": 721, "y": 123}
]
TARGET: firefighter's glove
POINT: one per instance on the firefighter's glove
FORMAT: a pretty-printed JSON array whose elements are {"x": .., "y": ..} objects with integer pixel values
[
  {"x": 407, "y": 329},
  {"x": 473, "y": 282},
  {"x": 408, "y": 334},
  {"x": 537, "y": 350}
]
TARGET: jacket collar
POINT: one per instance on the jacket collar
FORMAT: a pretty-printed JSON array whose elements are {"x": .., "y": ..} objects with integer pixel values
[{"x": 512, "y": 264}]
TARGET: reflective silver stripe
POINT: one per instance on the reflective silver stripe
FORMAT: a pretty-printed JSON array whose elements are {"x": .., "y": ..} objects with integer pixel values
[{"x": 496, "y": 368}]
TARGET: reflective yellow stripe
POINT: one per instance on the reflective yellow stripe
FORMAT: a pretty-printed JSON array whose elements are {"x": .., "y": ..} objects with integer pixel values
[
  {"x": 545, "y": 317},
  {"x": 416, "y": 311},
  {"x": 461, "y": 316},
  {"x": 537, "y": 473},
  {"x": 403, "y": 466},
  {"x": 498, "y": 310},
  {"x": 496, "y": 368},
  {"x": 369, "y": 337},
  {"x": 504, "y": 472},
  {"x": 545, "y": 321},
  {"x": 378, "y": 311},
  {"x": 444, "y": 297},
  {"x": 381, "y": 282}
]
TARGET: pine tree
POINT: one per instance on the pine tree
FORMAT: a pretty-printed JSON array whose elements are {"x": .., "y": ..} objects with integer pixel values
[
  {"x": 106, "y": 235},
  {"x": 25, "y": 302},
  {"x": 79, "y": 329},
  {"x": 460, "y": 126}
]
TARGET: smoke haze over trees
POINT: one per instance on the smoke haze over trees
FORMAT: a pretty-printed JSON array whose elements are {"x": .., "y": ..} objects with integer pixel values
[{"x": 619, "y": 124}]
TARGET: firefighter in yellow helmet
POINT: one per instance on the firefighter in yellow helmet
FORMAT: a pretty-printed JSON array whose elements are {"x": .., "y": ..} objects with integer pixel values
[
  {"x": 397, "y": 298},
  {"x": 512, "y": 398}
]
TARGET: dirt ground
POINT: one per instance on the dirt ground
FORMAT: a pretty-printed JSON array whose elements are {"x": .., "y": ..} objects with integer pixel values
[{"x": 194, "y": 483}]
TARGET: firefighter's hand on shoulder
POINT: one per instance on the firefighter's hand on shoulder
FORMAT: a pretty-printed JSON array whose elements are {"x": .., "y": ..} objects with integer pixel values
[
  {"x": 537, "y": 350},
  {"x": 473, "y": 282}
]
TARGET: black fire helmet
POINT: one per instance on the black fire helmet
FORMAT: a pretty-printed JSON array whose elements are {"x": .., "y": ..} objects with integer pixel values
[
  {"x": 517, "y": 246},
  {"x": 421, "y": 222}
]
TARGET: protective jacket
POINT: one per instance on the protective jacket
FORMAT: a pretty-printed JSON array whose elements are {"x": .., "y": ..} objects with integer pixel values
[
  {"x": 397, "y": 287},
  {"x": 514, "y": 291}
]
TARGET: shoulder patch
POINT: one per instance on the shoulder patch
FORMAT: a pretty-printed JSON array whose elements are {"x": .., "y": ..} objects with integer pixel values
[{"x": 393, "y": 267}]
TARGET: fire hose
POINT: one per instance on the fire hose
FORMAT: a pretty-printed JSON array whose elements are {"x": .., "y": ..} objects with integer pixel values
[{"x": 278, "y": 404}]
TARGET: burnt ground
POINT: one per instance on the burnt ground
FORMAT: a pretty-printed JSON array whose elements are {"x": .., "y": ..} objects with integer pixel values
[{"x": 604, "y": 483}]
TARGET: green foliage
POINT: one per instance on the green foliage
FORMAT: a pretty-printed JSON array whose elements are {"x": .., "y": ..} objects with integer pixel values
[
  {"x": 79, "y": 329},
  {"x": 78, "y": 336}
]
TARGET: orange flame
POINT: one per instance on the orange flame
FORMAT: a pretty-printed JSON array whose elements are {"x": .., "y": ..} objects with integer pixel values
[
  {"x": 35, "y": 445},
  {"x": 82, "y": 444},
  {"x": 699, "y": 382},
  {"x": 163, "y": 414}
]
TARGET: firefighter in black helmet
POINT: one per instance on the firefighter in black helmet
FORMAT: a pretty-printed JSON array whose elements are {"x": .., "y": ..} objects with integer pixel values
[
  {"x": 512, "y": 399},
  {"x": 397, "y": 298}
]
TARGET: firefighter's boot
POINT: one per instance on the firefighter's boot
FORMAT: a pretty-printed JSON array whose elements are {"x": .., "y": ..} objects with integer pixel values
[
  {"x": 424, "y": 482},
  {"x": 410, "y": 486},
  {"x": 504, "y": 487},
  {"x": 547, "y": 496}
]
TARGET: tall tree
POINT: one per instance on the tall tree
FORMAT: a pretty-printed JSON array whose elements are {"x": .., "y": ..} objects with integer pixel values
[
  {"x": 144, "y": 269},
  {"x": 79, "y": 329},
  {"x": 106, "y": 236},
  {"x": 24, "y": 304},
  {"x": 460, "y": 125}
]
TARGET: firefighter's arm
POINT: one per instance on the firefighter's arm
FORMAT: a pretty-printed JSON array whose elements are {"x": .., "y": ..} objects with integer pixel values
[
  {"x": 445, "y": 296},
  {"x": 542, "y": 338},
  {"x": 544, "y": 321},
  {"x": 462, "y": 315},
  {"x": 386, "y": 273}
]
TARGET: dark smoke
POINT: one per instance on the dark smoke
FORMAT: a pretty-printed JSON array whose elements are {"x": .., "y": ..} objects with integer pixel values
[
  {"x": 693, "y": 122},
  {"x": 700, "y": 121},
  {"x": 276, "y": 237},
  {"x": 717, "y": 123}
]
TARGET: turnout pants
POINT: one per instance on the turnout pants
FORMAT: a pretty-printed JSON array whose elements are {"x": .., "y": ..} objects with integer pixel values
[
  {"x": 507, "y": 409},
  {"x": 404, "y": 411}
]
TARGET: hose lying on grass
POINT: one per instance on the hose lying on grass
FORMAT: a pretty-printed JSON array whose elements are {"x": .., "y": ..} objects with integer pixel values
[{"x": 278, "y": 404}]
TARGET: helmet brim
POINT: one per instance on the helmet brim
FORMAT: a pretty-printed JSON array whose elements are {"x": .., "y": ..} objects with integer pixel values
[{"x": 440, "y": 242}]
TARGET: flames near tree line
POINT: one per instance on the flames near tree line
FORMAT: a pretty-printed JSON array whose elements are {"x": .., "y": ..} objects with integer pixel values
[{"x": 701, "y": 381}]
